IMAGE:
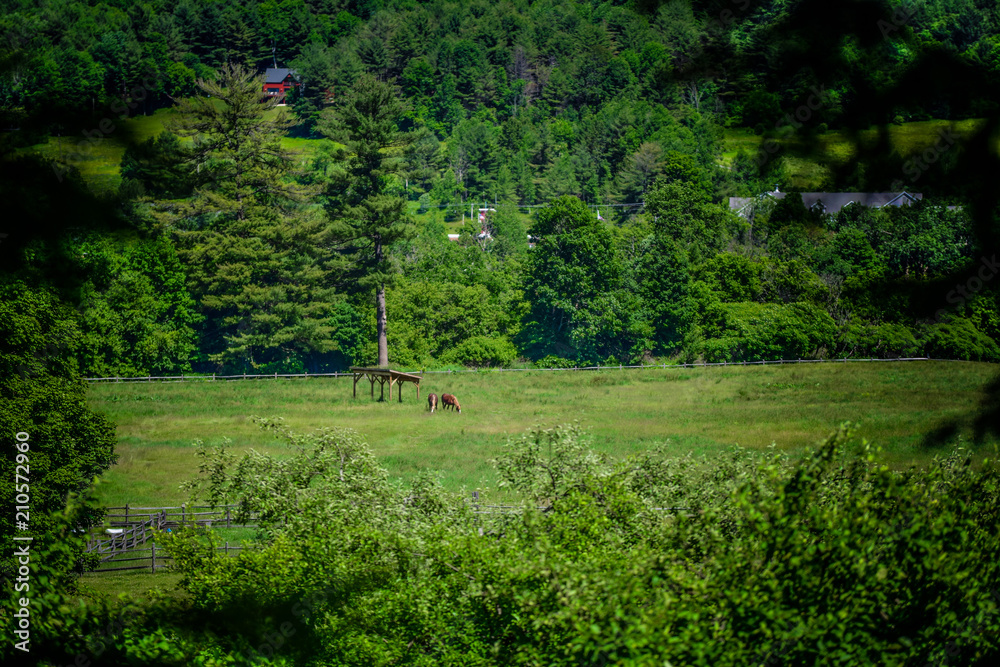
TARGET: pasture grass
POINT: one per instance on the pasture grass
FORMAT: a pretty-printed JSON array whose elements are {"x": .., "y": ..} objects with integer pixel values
[
  {"x": 99, "y": 159},
  {"x": 702, "y": 411},
  {"x": 136, "y": 584},
  {"x": 810, "y": 162}
]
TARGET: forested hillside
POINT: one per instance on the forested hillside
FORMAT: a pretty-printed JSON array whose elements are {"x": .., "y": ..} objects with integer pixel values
[{"x": 222, "y": 251}]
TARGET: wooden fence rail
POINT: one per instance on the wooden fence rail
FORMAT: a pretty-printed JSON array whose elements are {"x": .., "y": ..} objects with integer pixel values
[
  {"x": 157, "y": 559},
  {"x": 275, "y": 376},
  {"x": 129, "y": 538},
  {"x": 175, "y": 516}
]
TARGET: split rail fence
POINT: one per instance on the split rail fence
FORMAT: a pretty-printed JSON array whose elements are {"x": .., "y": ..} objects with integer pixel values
[
  {"x": 141, "y": 523},
  {"x": 348, "y": 374},
  {"x": 137, "y": 534},
  {"x": 156, "y": 559},
  {"x": 138, "y": 525},
  {"x": 173, "y": 517}
]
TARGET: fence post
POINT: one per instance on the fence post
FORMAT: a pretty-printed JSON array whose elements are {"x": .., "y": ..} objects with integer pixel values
[
  {"x": 152, "y": 567},
  {"x": 183, "y": 507},
  {"x": 227, "y": 548},
  {"x": 227, "y": 517},
  {"x": 126, "y": 512}
]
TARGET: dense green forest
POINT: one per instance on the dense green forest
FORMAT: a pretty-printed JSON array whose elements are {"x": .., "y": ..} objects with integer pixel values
[{"x": 511, "y": 104}]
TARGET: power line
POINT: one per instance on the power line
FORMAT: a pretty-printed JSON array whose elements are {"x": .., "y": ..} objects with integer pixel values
[{"x": 526, "y": 205}]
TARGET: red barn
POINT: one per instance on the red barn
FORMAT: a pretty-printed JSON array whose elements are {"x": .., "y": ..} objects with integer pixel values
[{"x": 278, "y": 81}]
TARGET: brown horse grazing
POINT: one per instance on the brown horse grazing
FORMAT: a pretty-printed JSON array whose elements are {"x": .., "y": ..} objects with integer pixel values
[
  {"x": 448, "y": 399},
  {"x": 432, "y": 402}
]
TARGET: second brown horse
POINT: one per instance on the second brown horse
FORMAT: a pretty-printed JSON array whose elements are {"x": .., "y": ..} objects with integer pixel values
[{"x": 448, "y": 399}]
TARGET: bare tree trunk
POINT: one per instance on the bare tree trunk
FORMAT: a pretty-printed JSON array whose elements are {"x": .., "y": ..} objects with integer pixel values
[
  {"x": 380, "y": 324},
  {"x": 380, "y": 318}
]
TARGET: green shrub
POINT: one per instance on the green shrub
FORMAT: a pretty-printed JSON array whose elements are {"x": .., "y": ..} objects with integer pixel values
[
  {"x": 959, "y": 338},
  {"x": 766, "y": 331},
  {"x": 748, "y": 558},
  {"x": 835, "y": 559},
  {"x": 882, "y": 341},
  {"x": 482, "y": 351},
  {"x": 552, "y": 361}
]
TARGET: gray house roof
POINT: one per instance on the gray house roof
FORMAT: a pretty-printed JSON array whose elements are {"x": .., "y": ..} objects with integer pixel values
[
  {"x": 277, "y": 74},
  {"x": 830, "y": 203}
]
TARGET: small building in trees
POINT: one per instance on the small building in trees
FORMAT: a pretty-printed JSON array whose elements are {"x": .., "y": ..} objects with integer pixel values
[{"x": 278, "y": 81}]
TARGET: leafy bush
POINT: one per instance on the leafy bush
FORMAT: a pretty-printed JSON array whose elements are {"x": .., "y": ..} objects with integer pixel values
[
  {"x": 959, "y": 338},
  {"x": 883, "y": 341},
  {"x": 43, "y": 396},
  {"x": 552, "y": 361},
  {"x": 749, "y": 558},
  {"x": 766, "y": 331},
  {"x": 482, "y": 351}
]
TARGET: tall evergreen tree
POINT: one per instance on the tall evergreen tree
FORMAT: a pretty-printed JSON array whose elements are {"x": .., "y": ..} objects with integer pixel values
[
  {"x": 369, "y": 217},
  {"x": 255, "y": 251},
  {"x": 237, "y": 152}
]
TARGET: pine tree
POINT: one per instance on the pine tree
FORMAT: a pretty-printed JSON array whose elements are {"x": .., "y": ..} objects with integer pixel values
[
  {"x": 255, "y": 252},
  {"x": 237, "y": 154},
  {"x": 368, "y": 216}
]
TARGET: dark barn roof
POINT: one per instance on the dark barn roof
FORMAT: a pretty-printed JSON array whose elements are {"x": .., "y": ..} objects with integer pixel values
[{"x": 277, "y": 74}]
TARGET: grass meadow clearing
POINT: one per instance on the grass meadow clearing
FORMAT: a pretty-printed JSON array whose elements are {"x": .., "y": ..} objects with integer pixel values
[
  {"x": 98, "y": 158},
  {"x": 811, "y": 163},
  {"x": 701, "y": 411}
]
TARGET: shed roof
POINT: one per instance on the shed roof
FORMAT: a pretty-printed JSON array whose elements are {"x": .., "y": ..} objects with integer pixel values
[{"x": 277, "y": 74}]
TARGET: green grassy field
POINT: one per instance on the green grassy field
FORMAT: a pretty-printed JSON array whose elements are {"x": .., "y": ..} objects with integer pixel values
[
  {"x": 702, "y": 410},
  {"x": 99, "y": 160},
  {"x": 137, "y": 584},
  {"x": 809, "y": 163}
]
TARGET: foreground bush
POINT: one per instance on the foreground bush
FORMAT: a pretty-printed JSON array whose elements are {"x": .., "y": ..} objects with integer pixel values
[
  {"x": 832, "y": 560},
  {"x": 747, "y": 559}
]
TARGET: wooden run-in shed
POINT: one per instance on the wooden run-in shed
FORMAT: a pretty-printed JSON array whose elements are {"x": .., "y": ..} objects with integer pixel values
[{"x": 385, "y": 376}]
